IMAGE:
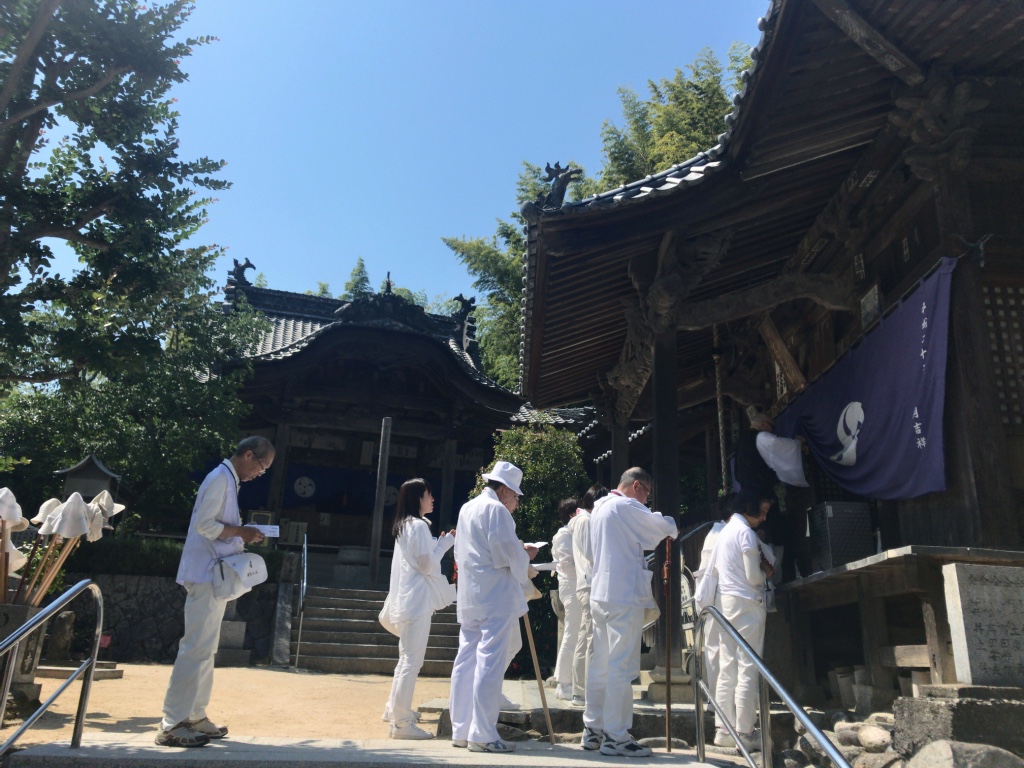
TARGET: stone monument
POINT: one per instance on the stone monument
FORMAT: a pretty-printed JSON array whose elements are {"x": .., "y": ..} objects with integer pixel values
[{"x": 985, "y": 604}]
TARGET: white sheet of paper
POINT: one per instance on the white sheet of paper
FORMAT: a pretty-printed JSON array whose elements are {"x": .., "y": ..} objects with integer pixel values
[
  {"x": 270, "y": 531},
  {"x": 543, "y": 566},
  {"x": 537, "y": 544}
]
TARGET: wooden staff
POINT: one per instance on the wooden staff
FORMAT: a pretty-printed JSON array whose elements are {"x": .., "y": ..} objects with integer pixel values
[
  {"x": 54, "y": 569},
  {"x": 5, "y": 560},
  {"x": 21, "y": 582},
  {"x": 666, "y": 578},
  {"x": 42, "y": 566},
  {"x": 540, "y": 682}
]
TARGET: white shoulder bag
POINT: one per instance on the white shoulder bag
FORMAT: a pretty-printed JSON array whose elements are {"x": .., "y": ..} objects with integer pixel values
[
  {"x": 706, "y": 587},
  {"x": 235, "y": 575}
]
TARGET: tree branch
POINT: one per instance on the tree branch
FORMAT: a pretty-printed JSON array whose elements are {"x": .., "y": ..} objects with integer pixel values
[
  {"x": 85, "y": 93},
  {"x": 35, "y": 33}
]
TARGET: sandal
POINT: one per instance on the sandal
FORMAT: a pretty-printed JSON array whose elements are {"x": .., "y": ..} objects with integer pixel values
[{"x": 181, "y": 735}]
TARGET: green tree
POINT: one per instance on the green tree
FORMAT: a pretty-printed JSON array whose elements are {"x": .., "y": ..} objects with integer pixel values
[
  {"x": 358, "y": 285},
  {"x": 153, "y": 425},
  {"x": 552, "y": 465},
  {"x": 413, "y": 297},
  {"x": 322, "y": 289},
  {"x": 88, "y": 157},
  {"x": 496, "y": 264},
  {"x": 260, "y": 281}
]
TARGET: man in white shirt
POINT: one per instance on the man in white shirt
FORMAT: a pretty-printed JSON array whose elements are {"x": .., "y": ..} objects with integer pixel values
[
  {"x": 214, "y": 532},
  {"x": 621, "y": 529},
  {"x": 741, "y": 572},
  {"x": 583, "y": 559},
  {"x": 493, "y": 569}
]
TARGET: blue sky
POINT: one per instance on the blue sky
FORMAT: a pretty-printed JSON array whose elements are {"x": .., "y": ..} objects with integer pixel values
[{"x": 375, "y": 128}]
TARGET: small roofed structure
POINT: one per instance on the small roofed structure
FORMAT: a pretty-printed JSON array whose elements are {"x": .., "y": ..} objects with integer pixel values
[{"x": 88, "y": 478}]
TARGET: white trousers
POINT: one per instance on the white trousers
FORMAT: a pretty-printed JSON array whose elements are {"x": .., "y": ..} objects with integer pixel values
[
  {"x": 565, "y": 668},
  {"x": 584, "y": 650},
  {"x": 412, "y": 649},
  {"x": 616, "y": 663},
  {"x": 479, "y": 668},
  {"x": 188, "y": 692},
  {"x": 737, "y": 686}
]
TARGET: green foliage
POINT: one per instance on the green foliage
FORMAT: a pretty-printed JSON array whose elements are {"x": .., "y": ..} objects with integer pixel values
[
  {"x": 358, "y": 285},
  {"x": 138, "y": 556},
  {"x": 152, "y": 425},
  {"x": 260, "y": 281},
  {"x": 413, "y": 297},
  {"x": 552, "y": 465},
  {"x": 88, "y": 158},
  {"x": 322, "y": 289}
]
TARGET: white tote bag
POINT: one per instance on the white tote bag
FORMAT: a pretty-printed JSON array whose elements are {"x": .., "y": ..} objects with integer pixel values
[
  {"x": 235, "y": 575},
  {"x": 707, "y": 585}
]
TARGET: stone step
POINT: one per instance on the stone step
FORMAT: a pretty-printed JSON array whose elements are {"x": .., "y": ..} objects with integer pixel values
[
  {"x": 62, "y": 673},
  {"x": 439, "y": 619},
  {"x": 380, "y": 638},
  {"x": 365, "y": 626},
  {"x": 350, "y": 594},
  {"x": 367, "y": 666},
  {"x": 368, "y": 651}
]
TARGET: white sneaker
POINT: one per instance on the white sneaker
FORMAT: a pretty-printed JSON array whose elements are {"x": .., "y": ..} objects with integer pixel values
[
  {"x": 461, "y": 743},
  {"x": 591, "y": 738},
  {"x": 492, "y": 746},
  {"x": 625, "y": 748},
  {"x": 723, "y": 739},
  {"x": 752, "y": 740},
  {"x": 410, "y": 731},
  {"x": 386, "y": 717},
  {"x": 564, "y": 692},
  {"x": 579, "y": 701},
  {"x": 507, "y": 704}
]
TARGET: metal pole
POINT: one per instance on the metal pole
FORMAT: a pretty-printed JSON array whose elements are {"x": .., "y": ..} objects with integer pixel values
[
  {"x": 378, "y": 503},
  {"x": 666, "y": 580},
  {"x": 540, "y": 682}
]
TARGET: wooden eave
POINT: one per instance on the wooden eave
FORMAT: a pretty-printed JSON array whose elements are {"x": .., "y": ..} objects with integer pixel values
[{"x": 815, "y": 105}]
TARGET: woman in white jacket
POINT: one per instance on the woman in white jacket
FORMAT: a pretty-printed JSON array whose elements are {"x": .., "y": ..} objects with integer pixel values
[{"x": 417, "y": 590}]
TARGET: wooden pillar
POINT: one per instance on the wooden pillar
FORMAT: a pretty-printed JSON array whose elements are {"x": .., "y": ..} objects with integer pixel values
[
  {"x": 874, "y": 632},
  {"x": 620, "y": 452},
  {"x": 279, "y": 471},
  {"x": 447, "y": 514},
  {"x": 666, "y": 478}
]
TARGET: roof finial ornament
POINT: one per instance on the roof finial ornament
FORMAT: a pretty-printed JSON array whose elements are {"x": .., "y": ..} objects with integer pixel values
[
  {"x": 238, "y": 272},
  {"x": 387, "y": 285},
  {"x": 560, "y": 179}
]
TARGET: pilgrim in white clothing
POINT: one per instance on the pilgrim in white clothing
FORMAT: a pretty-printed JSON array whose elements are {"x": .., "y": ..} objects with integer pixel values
[
  {"x": 741, "y": 600},
  {"x": 215, "y": 531},
  {"x": 712, "y": 630},
  {"x": 493, "y": 569},
  {"x": 418, "y": 588},
  {"x": 565, "y": 568},
  {"x": 621, "y": 528},
  {"x": 579, "y": 526}
]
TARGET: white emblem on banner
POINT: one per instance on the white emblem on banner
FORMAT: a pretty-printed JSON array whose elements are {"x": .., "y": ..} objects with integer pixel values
[{"x": 850, "y": 423}]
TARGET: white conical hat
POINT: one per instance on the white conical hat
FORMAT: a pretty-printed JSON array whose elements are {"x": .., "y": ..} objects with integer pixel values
[
  {"x": 72, "y": 519},
  {"x": 94, "y": 515},
  {"x": 17, "y": 559},
  {"x": 105, "y": 501},
  {"x": 45, "y": 510},
  {"x": 10, "y": 509}
]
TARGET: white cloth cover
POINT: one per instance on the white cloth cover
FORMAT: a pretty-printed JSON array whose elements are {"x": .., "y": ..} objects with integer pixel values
[{"x": 783, "y": 455}]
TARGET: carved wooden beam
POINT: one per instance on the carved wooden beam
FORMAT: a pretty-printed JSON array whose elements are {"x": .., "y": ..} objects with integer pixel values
[
  {"x": 795, "y": 380},
  {"x": 871, "y": 40},
  {"x": 827, "y": 290}
]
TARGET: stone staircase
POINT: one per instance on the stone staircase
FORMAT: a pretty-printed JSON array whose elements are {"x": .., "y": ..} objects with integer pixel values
[{"x": 340, "y": 633}]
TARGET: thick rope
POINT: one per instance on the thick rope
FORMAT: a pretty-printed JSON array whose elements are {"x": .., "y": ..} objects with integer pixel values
[{"x": 717, "y": 355}]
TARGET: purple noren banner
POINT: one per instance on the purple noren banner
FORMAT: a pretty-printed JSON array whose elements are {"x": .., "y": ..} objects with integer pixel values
[{"x": 874, "y": 421}]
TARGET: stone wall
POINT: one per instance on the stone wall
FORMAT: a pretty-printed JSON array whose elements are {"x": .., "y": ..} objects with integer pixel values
[{"x": 144, "y": 615}]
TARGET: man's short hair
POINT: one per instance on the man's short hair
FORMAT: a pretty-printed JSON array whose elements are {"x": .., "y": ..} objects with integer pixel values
[
  {"x": 259, "y": 445},
  {"x": 633, "y": 474}
]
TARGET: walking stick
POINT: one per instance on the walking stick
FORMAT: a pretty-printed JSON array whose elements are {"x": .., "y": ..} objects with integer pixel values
[
  {"x": 540, "y": 682},
  {"x": 666, "y": 578}
]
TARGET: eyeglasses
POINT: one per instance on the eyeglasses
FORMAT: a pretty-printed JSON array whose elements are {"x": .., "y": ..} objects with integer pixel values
[
  {"x": 263, "y": 469},
  {"x": 646, "y": 488}
]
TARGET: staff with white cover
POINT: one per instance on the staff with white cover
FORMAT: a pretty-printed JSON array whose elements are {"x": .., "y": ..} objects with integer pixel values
[
  {"x": 493, "y": 572},
  {"x": 621, "y": 529},
  {"x": 418, "y": 588},
  {"x": 215, "y": 532}
]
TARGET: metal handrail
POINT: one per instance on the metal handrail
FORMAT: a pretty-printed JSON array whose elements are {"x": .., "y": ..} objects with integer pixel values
[
  {"x": 87, "y": 667},
  {"x": 765, "y": 680},
  {"x": 302, "y": 596}
]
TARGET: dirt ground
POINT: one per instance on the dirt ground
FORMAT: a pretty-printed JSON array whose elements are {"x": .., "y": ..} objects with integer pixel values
[{"x": 251, "y": 701}]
